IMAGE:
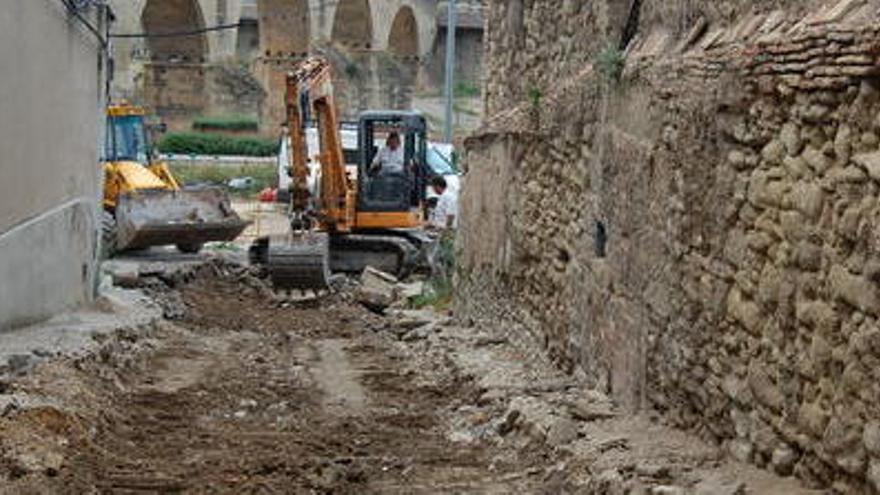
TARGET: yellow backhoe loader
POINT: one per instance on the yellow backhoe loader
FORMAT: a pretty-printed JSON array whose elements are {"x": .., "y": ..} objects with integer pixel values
[
  {"x": 144, "y": 205},
  {"x": 348, "y": 219}
]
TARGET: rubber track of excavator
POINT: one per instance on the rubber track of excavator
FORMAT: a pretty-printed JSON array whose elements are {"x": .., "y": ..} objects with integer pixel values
[{"x": 353, "y": 252}]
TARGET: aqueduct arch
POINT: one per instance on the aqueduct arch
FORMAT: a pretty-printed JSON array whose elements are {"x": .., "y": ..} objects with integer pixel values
[
  {"x": 174, "y": 79},
  {"x": 353, "y": 25},
  {"x": 377, "y": 46},
  {"x": 165, "y": 16},
  {"x": 403, "y": 40},
  {"x": 285, "y": 28}
]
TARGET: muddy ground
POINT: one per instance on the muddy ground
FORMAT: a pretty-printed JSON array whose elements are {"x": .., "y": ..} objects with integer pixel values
[{"x": 244, "y": 391}]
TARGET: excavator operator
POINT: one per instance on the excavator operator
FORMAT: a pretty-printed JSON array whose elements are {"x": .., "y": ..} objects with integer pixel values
[{"x": 389, "y": 160}]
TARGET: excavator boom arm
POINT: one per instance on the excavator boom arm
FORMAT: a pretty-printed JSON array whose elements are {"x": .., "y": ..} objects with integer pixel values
[{"x": 310, "y": 93}]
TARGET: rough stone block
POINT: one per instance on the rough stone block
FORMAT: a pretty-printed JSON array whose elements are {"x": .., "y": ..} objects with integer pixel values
[
  {"x": 808, "y": 256},
  {"x": 871, "y": 437},
  {"x": 813, "y": 418},
  {"x": 870, "y": 162},
  {"x": 796, "y": 166},
  {"x": 845, "y": 175},
  {"x": 790, "y": 135},
  {"x": 855, "y": 290},
  {"x": 765, "y": 192},
  {"x": 783, "y": 460},
  {"x": 765, "y": 391},
  {"x": 773, "y": 152},
  {"x": 874, "y": 474},
  {"x": 817, "y": 315},
  {"x": 746, "y": 312},
  {"x": 843, "y": 143},
  {"x": 816, "y": 159},
  {"x": 741, "y": 450},
  {"x": 808, "y": 199}
]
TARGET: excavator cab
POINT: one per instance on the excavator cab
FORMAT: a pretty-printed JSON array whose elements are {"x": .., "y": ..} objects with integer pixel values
[{"x": 392, "y": 192}]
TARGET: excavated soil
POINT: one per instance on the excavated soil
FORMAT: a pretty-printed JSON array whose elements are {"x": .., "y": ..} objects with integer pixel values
[
  {"x": 244, "y": 395},
  {"x": 245, "y": 391}
]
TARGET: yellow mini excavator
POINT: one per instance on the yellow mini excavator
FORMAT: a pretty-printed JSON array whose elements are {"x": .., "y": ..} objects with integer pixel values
[
  {"x": 144, "y": 205},
  {"x": 347, "y": 220}
]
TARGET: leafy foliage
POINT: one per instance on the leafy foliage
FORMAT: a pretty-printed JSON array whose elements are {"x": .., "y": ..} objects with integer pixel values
[
  {"x": 610, "y": 63},
  {"x": 199, "y": 143},
  {"x": 439, "y": 291},
  {"x": 535, "y": 95},
  {"x": 226, "y": 123},
  {"x": 467, "y": 90}
]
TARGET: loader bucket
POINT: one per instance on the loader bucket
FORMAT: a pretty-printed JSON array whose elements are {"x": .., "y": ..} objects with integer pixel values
[{"x": 187, "y": 217}]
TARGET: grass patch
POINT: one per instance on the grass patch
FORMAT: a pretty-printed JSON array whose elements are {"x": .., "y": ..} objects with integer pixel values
[
  {"x": 439, "y": 292},
  {"x": 226, "y": 123},
  {"x": 610, "y": 63},
  {"x": 199, "y": 143},
  {"x": 466, "y": 90},
  {"x": 263, "y": 175}
]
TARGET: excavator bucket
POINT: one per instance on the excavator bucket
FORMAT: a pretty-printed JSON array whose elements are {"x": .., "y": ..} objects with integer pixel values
[
  {"x": 303, "y": 262},
  {"x": 182, "y": 218}
]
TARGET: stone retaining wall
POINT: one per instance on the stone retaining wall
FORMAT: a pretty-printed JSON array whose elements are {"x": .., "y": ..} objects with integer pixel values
[{"x": 699, "y": 236}]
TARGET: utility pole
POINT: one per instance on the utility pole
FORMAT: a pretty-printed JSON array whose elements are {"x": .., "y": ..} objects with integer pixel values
[{"x": 450, "y": 68}]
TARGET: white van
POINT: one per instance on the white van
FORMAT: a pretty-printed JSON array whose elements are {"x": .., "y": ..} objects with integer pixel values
[{"x": 349, "y": 147}]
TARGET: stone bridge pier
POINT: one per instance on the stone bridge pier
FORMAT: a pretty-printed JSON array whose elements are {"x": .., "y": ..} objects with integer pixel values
[{"x": 376, "y": 46}]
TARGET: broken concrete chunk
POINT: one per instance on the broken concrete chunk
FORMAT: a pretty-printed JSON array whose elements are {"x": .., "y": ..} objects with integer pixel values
[
  {"x": 411, "y": 290},
  {"x": 377, "y": 290},
  {"x": 585, "y": 410},
  {"x": 123, "y": 274},
  {"x": 409, "y": 319},
  {"x": 651, "y": 470}
]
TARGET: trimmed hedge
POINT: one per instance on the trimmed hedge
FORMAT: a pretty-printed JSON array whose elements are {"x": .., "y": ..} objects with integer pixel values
[
  {"x": 199, "y": 143},
  {"x": 226, "y": 123}
]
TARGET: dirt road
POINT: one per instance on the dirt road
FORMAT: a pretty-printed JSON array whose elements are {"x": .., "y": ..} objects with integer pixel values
[{"x": 249, "y": 393}]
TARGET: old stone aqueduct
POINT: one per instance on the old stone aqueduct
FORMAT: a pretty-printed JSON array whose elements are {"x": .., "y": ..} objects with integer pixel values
[{"x": 378, "y": 46}]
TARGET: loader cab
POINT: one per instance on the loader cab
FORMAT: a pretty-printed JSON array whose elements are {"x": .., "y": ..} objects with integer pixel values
[
  {"x": 386, "y": 191},
  {"x": 127, "y": 139}
]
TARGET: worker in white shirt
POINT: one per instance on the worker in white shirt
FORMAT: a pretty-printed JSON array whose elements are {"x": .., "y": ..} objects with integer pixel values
[
  {"x": 389, "y": 160},
  {"x": 442, "y": 222},
  {"x": 444, "y": 215}
]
